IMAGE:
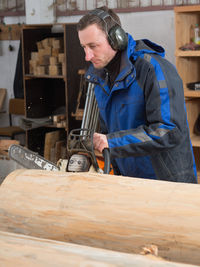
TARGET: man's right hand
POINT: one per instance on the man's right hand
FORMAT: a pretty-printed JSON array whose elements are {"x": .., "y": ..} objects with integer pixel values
[{"x": 100, "y": 142}]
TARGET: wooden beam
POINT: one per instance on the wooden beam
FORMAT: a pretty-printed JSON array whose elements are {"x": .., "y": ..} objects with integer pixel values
[
  {"x": 23, "y": 251},
  {"x": 106, "y": 211}
]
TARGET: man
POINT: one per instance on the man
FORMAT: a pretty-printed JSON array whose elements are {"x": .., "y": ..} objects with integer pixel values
[{"x": 141, "y": 102}]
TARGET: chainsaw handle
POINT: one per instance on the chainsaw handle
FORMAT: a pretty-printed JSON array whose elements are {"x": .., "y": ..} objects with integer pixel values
[{"x": 106, "y": 156}]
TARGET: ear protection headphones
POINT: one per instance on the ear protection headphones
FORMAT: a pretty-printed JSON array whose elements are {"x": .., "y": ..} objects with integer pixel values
[{"x": 117, "y": 37}]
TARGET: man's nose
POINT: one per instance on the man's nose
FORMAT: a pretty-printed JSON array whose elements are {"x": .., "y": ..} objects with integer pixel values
[{"x": 88, "y": 54}]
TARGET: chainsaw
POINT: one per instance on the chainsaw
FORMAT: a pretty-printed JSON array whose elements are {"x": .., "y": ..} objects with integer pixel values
[{"x": 80, "y": 151}]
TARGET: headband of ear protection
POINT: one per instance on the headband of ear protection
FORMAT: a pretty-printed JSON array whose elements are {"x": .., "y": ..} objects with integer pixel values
[{"x": 117, "y": 37}]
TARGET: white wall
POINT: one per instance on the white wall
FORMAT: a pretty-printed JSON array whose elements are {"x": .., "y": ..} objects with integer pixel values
[
  {"x": 7, "y": 67},
  {"x": 158, "y": 26},
  {"x": 39, "y": 12}
]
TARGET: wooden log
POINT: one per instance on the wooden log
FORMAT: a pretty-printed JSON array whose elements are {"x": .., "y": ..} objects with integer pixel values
[
  {"x": 23, "y": 251},
  {"x": 107, "y": 211}
]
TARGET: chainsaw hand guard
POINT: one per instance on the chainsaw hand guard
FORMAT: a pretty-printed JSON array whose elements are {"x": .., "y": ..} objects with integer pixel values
[{"x": 80, "y": 141}]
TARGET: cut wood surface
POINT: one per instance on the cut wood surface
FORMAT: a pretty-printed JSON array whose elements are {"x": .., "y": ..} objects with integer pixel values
[
  {"x": 25, "y": 251},
  {"x": 106, "y": 211}
]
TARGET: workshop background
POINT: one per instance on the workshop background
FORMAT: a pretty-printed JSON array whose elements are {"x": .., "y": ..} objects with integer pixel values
[
  {"x": 54, "y": 100},
  {"x": 69, "y": 217},
  {"x": 155, "y": 25}
]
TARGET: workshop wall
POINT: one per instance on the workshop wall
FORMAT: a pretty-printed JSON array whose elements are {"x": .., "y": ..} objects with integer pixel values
[
  {"x": 8, "y": 61},
  {"x": 158, "y": 26}
]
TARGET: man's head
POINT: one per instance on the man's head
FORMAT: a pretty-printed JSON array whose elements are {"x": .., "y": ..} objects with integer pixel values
[{"x": 101, "y": 36}]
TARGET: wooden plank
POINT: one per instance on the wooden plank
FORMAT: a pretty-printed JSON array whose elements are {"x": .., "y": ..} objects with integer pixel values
[
  {"x": 2, "y": 97},
  {"x": 193, "y": 111},
  {"x": 58, "y": 147},
  {"x": 180, "y": 53},
  {"x": 23, "y": 251},
  {"x": 191, "y": 93},
  {"x": 106, "y": 211},
  {"x": 10, "y": 32},
  {"x": 50, "y": 140},
  {"x": 192, "y": 8}
]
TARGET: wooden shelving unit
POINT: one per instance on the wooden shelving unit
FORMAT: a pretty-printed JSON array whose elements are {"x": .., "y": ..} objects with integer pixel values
[
  {"x": 44, "y": 94},
  {"x": 188, "y": 66}
]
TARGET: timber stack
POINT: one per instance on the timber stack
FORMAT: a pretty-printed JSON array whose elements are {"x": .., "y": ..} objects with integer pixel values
[{"x": 48, "y": 59}]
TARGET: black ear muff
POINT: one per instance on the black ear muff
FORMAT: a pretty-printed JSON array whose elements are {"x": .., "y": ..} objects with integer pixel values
[{"x": 117, "y": 37}]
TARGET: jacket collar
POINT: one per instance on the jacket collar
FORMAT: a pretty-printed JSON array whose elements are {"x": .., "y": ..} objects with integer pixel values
[
  {"x": 99, "y": 75},
  {"x": 134, "y": 50}
]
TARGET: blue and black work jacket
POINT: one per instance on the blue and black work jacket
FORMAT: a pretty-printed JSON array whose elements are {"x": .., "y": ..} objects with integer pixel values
[{"x": 144, "y": 116}]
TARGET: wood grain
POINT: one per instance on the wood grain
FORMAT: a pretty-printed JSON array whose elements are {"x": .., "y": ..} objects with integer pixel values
[
  {"x": 23, "y": 251},
  {"x": 105, "y": 211}
]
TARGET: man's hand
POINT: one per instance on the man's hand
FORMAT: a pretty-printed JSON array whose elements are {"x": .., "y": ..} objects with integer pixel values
[{"x": 100, "y": 141}]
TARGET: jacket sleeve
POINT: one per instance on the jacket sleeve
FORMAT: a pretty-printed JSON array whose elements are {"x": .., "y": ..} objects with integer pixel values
[
  {"x": 103, "y": 128},
  {"x": 166, "y": 123}
]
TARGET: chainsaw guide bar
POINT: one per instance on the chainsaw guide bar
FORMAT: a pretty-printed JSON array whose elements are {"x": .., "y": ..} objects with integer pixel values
[{"x": 30, "y": 159}]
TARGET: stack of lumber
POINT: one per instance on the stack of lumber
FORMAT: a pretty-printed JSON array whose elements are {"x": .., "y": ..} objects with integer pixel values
[
  {"x": 49, "y": 58},
  {"x": 104, "y": 211}
]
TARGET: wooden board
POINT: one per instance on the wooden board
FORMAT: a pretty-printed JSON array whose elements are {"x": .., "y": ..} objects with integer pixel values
[
  {"x": 2, "y": 97},
  {"x": 58, "y": 147},
  {"x": 105, "y": 211},
  {"x": 50, "y": 140},
  {"x": 24, "y": 251}
]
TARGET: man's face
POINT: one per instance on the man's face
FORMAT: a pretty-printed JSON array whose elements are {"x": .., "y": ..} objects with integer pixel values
[{"x": 96, "y": 46}]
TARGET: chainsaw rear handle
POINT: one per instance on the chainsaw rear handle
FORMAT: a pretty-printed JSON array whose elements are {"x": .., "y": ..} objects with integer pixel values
[{"x": 106, "y": 156}]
